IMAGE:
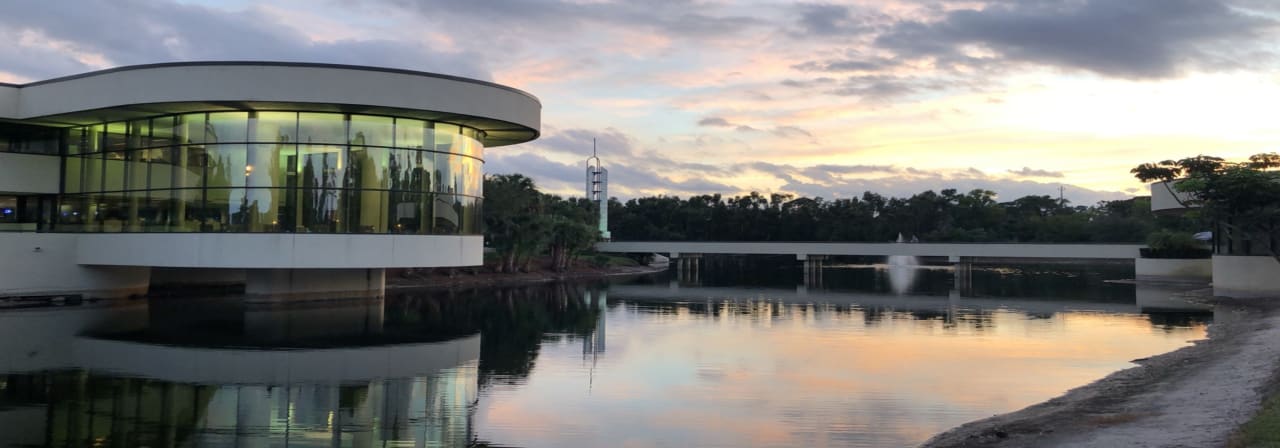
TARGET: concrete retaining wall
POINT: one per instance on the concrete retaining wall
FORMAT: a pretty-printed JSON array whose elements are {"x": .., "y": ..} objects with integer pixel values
[
  {"x": 1173, "y": 269},
  {"x": 45, "y": 264},
  {"x": 1244, "y": 276}
]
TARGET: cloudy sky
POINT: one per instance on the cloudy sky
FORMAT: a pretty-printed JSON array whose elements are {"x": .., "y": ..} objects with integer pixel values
[{"x": 822, "y": 99}]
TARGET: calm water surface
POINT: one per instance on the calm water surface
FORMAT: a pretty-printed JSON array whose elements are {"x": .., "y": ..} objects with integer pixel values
[{"x": 733, "y": 356}]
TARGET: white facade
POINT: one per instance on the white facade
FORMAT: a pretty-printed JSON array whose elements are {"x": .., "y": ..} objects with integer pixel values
[{"x": 120, "y": 178}]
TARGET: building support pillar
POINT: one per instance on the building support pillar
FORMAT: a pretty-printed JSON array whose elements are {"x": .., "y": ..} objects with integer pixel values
[{"x": 277, "y": 285}]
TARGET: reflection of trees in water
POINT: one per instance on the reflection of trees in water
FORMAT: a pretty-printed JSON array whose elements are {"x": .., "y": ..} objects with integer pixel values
[
  {"x": 512, "y": 321},
  {"x": 870, "y": 316}
]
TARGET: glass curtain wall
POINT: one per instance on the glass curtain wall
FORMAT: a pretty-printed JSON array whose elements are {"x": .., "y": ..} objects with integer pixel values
[{"x": 273, "y": 171}]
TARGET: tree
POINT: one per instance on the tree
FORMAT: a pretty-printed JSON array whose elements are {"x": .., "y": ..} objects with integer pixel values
[
  {"x": 1242, "y": 197},
  {"x": 512, "y": 212}
]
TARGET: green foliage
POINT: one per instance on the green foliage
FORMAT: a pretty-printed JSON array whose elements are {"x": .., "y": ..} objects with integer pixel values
[
  {"x": 941, "y": 216},
  {"x": 600, "y": 260},
  {"x": 1261, "y": 431},
  {"x": 1243, "y": 198},
  {"x": 1171, "y": 244},
  {"x": 521, "y": 222}
]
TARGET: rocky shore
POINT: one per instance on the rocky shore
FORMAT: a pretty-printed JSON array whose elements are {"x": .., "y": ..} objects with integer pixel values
[{"x": 1192, "y": 397}]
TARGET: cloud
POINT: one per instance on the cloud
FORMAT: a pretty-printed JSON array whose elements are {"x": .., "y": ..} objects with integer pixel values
[
  {"x": 809, "y": 83},
  {"x": 96, "y": 34},
  {"x": 826, "y": 20},
  {"x": 714, "y": 121},
  {"x": 791, "y": 132},
  {"x": 847, "y": 65},
  {"x": 1028, "y": 172},
  {"x": 1136, "y": 39}
]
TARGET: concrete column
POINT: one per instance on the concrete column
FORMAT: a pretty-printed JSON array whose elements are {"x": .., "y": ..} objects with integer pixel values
[
  {"x": 270, "y": 285},
  {"x": 687, "y": 268},
  {"x": 812, "y": 269},
  {"x": 962, "y": 275}
]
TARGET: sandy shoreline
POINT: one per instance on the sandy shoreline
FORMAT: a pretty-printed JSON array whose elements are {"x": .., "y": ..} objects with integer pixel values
[{"x": 1192, "y": 397}]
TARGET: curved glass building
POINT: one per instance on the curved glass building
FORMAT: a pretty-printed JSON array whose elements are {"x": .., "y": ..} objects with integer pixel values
[{"x": 301, "y": 175}]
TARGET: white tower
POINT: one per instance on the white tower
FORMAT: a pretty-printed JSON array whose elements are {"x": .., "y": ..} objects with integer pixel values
[{"x": 598, "y": 189}]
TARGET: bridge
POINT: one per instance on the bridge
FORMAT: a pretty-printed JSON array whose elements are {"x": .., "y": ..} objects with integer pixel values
[
  {"x": 687, "y": 253},
  {"x": 803, "y": 250}
]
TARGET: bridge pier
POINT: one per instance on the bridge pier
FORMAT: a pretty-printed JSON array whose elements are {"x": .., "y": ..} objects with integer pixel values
[
  {"x": 962, "y": 274},
  {"x": 812, "y": 269},
  {"x": 687, "y": 267}
]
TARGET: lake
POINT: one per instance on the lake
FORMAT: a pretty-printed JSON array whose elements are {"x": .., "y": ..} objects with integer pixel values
[{"x": 741, "y": 354}]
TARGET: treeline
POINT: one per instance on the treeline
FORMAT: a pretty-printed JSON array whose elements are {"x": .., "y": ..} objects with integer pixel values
[
  {"x": 975, "y": 216},
  {"x": 522, "y": 223}
]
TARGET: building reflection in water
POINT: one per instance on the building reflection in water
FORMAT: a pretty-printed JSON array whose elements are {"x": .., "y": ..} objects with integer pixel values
[{"x": 133, "y": 376}]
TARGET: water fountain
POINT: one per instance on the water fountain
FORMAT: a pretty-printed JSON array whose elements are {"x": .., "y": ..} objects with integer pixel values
[{"x": 902, "y": 270}]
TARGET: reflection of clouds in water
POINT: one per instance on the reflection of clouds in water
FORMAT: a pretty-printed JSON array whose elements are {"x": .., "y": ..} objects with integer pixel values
[{"x": 807, "y": 374}]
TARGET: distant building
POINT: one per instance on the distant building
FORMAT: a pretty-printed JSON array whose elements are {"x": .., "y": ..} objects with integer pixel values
[{"x": 290, "y": 177}]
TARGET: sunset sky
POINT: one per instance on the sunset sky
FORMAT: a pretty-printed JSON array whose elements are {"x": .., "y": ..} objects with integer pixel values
[{"x": 818, "y": 99}]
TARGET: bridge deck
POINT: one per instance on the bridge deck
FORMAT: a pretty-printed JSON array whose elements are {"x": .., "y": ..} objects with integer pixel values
[{"x": 801, "y": 249}]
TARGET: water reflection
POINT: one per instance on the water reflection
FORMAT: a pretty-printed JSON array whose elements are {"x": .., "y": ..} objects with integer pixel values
[{"x": 650, "y": 363}]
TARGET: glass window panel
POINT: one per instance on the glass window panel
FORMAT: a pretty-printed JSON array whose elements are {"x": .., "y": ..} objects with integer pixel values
[
  {"x": 114, "y": 171},
  {"x": 473, "y": 180},
  {"x": 274, "y": 127},
  {"x": 186, "y": 170},
  {"x": 477, "y": 149},
  {"x": 447, "y": 218},
  {"x": 446, "y": 135},
  {"x": 72, "y": 175},
  {"x": 135, "y": 169},
  {"x": 115, "y": 138},
  {"x": 84, "y": 140},
  {"x": 319, "y": 210},
  {"x": 372, "y": 207},
  {"x": 322, "y": 166},
  {"x": 459, "y": 172},
  {"x": 402, "y": 168},
  {"x": 225, "y": 210},
  {"x": 189, "y": 128},
  {"x": 270, "y": 165},
  {"x": 262, "y": 209},
  {"x": 424, "y": 171},
  {"x": 443, "y": 173},
  {"x": 227, "y": 127},
  {"x": 188, "y": 206},
  {"x": 156, "y": 211},
  {"x": 429, "y": 137},
  {"x": 162, "y": 132},
  {"x": 93, "y": 173},
  {"x": 75, "y": 214},
  {"x": 406, "y": 212},
  {"x": 409, "y": 133},
  {"x": 426, "y": 203},
  {"x": 139, "y": 133},
  {"x": 113, "y": 212},
  {"x": 370, "y": 168},
  {"x": 372, "y": 131},
  {"x": 227, "y": 166},
  {"x": 322, "y": 128}
]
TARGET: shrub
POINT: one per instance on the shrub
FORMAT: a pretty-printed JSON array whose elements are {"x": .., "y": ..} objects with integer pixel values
[{"x": 1169, "y": 244}]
